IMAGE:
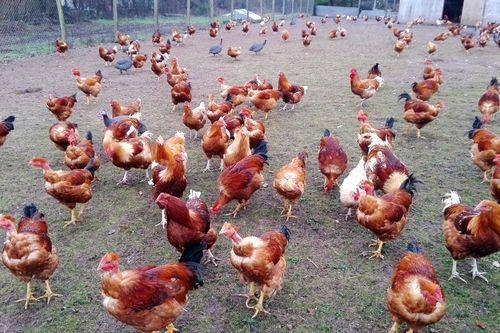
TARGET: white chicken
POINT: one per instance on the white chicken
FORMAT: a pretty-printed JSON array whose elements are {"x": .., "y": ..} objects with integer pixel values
[{"x": 350, "y": 191}]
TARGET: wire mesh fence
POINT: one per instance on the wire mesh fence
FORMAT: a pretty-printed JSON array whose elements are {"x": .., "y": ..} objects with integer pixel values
[{"x": 30, "y": 27}]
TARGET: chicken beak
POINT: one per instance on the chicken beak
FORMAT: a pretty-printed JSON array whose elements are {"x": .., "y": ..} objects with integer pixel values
[{"x": 131, "y": 130}]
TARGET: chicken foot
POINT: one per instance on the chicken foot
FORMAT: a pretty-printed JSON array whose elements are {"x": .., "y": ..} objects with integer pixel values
[
  {"x": 394, "y": 328},
  {"x": 475, "y": 272},
  {"x": 250, "y": 295},
  {"x": 48, "y": 293},
  {"x": 260, "y": 305},
  {"x": 74, "y": 218},
  {"x": 29, "y": 296},
  {"x": 211, "y": 258},
  {"x": 348, "y": 214},
  {"x": 378, "y": 252},
  {"x": 418, "y": 134},
  {"x": 454, "y": 272},
  {"x": 124, "y": 180},
  {"x": 485, "y": 177},
  {"x": 207, "y": 167},
  {"x": 288, "y": 207},
  {"x": 171, "y": 329},
  {"x": 238, "y": 208}
]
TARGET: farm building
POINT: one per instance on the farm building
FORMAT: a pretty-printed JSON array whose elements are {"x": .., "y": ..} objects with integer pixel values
[{"x": 463, "y": 11}]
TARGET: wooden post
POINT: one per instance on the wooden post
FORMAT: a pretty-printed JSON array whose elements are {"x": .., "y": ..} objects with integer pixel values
[
  {"x": 293, "y": 7},
  {"x": 155, "y": 13},
  {"x": 307, "y": 8},
  {"x": 232, "y": 9},
  {"x": 359, "y": 7},
  {"x": 272, "y": 9},
  {"x": 283, "y": 8},
  {"x": 248, "y": 13},
  {"x": 115, "y": 15},
  {"x": 261, "y": 8},
  {"x": 60, "y": 13},
  {"x": 300, "y": 7},
  {"x": 211, "y": 10},
  {"x": 188, "y": 11}
]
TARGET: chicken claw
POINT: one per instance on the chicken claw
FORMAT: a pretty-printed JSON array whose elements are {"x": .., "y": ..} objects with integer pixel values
[
  {"x": 260, "y": 306},
  {"x": 454, "y": 273},
  {"x": 377, "y": 253},
  {"x": 48, "y": 293},
  {"x": 74, "y": 218},
  {"x": 211, "y": 258},
  {"x": 475, "y": 272},
  {"x": 171, "y": 329},
  {"x": 250, "y": 296},
  {"x": 394, "y": 328},
  {"x": 29, "y": 296},
  {"x": 238, "y": 208}
]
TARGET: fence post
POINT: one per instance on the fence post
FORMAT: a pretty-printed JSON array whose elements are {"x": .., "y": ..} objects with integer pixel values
[
  {"x": 272, "y": 10},
  {"x": 248, "y": 13},
  {"x": 307, "y": 8},
  {"x": 261, "y": 8},
  {"x": 115, "y": 15},
  {"x": 293, "y": 6},
  {"x": 232, "y": 9},
  {"x": 283, "y": 8},
  {"x": 359, "y": 7},
  {"x": 188, "y": 11},
  {"x": 300, "y": 7},
  {"x": 155, "y": 10},
  {"x": 61, "y": 20},
  {"x": 211, "y": 10}
]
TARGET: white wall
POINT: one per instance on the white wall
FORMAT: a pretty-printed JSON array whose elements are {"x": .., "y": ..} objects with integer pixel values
[
  {"x": 492, "y": 11},
  {"x": 430, "y": 10},
  {"x": 472, "y": 11}
]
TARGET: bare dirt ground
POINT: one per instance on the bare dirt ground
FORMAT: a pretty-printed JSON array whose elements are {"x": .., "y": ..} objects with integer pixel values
[{"x": 342, "y": 291}]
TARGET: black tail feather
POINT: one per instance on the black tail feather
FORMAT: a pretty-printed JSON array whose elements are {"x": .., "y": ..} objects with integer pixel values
[
  {"x": 404, "y": 96},
  {"x": 191, "y": 258},
  {"x": 477, "y": 124},
  {"x": 30, "y": 210},
  {"x": 9, "y": 122},
  {"x": 105, "y": 118},
  {"x": 389, "y": 122},
  {"x": 89, "y": 136},
  {"x": 285, "y": 231},
  {"x": 90, "y": 167},
  {"x": 413, "y": 248},
  {"x": 261, "y": 149},
  {"x": 74, "y": 97},
  {"x": 494, "y": 81},
  {"x": 326, "y": 132},
  {"x": 410, "y": 185}
]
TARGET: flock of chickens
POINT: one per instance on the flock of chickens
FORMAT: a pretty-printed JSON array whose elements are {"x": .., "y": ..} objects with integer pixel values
[{"x": 379, "y": 187}]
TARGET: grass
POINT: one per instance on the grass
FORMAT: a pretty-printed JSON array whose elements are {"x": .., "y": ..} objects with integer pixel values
[{"x": 345, "y": 292}]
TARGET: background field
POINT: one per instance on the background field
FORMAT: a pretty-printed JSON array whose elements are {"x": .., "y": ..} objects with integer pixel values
[{"x": 346, "y": 291}]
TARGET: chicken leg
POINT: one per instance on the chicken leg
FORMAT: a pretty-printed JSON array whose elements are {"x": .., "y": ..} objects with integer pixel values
[
  {"x": 250, "y": 295},
  {"x": 48, "y": 292},
  {"x": 419, "y": 136},
  {"x": 73, "y": 218},
  {"x": 475, "y": 272},
  {"x": 260, "y": 305},
  {"x": 80, "y": 214},
  {"x": 29, "y": 296},
  {"x": 171, "y": 329},
  {"x": 124, "y": 180},
  {"x": 207, "y": 167},
  {"x": 485, "y": 177},
  {"x": 394, "y": 328},
  {"x": 289, "y": 213},
  {"x": 237, "y": 209},
  {"x": 377, "y": 253},
  {"x": 211, "y": 258},
  {"x": 454, "y": 272}
]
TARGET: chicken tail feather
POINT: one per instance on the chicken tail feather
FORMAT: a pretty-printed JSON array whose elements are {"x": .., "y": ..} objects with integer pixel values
[
  {"x": 191, "y": 258},
  {"x": 30, "y": 210},
  {"x": 413, "y": 248},
  {"x": 285, "y": 231}
]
